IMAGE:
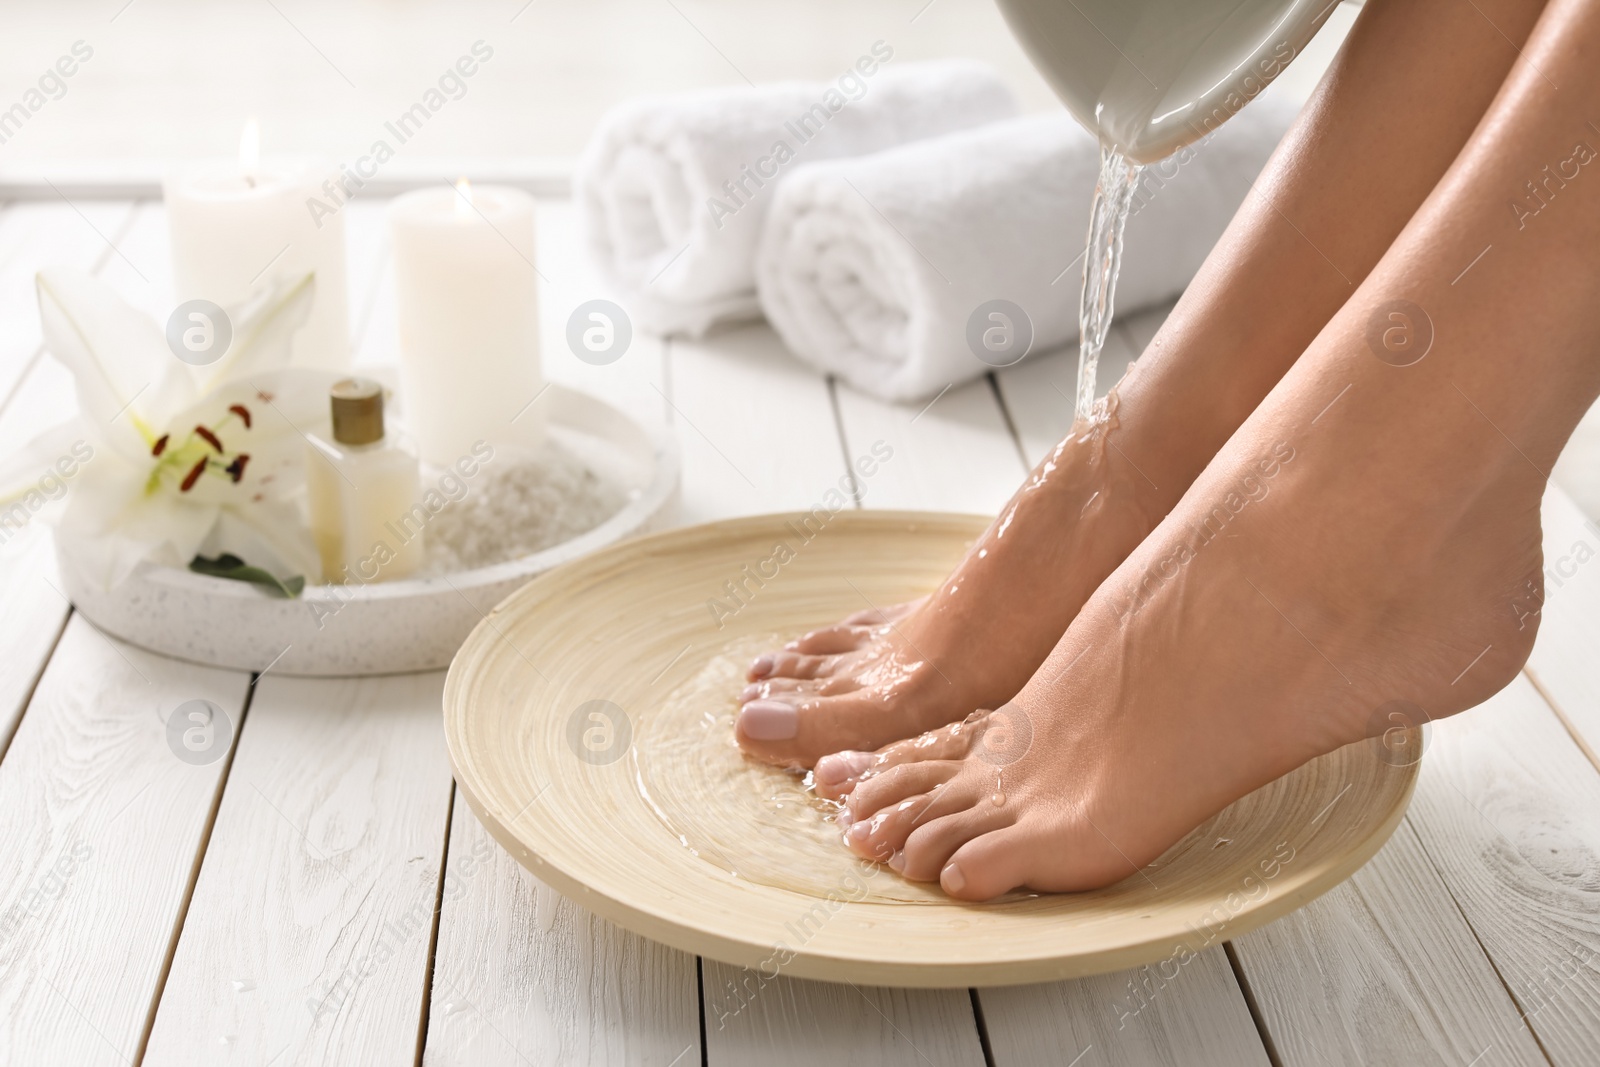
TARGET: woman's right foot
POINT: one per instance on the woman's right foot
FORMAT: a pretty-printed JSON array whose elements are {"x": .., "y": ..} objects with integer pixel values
[
  {"x": 1286, "y": 264},
  {"x": 879, "y": 676}
]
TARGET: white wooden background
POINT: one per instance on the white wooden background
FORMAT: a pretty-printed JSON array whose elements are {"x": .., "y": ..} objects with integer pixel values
[{"x": 320, "y": 896}]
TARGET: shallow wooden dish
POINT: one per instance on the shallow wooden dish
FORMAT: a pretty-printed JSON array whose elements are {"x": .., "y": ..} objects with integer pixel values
[{"x": 630, "y": 622}]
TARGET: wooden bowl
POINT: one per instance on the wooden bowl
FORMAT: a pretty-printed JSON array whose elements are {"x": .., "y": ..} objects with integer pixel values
[{"x": 632, "y": 623}]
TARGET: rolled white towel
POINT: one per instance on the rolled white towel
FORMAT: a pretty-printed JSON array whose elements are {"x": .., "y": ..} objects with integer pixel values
[
  {"x": 870, "y": 268},
  {"x": 673, "y": 189}
]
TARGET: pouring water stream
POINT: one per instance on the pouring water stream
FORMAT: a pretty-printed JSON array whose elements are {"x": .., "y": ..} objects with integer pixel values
[{"x": 1113, "y": 201}]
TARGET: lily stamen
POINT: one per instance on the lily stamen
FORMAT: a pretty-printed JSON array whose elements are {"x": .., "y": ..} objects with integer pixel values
[{"x": 193, "y": 476}]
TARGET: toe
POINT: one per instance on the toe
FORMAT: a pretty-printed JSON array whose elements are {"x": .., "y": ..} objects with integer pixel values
[
  {"x": 884, "y": 616},
  {"x": 885, "y": 835},
  {"x": 783, "y": 687},
  {"x": 898, "y": 783},
  {"x": 831, "y": 640},
  {"x": 966, "y": 814},
  {"x": 774, "y": 687},
  {"x": 786, "y": 664},
  {"x": 796, "y": 729},
  {"x": 987, "y": 865},
  {"x": 838, "y": 774},
  {"x": 881, "y": 837}
]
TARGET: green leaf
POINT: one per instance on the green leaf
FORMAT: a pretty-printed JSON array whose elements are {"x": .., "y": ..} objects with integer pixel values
[{"x": 230, "y": 566}]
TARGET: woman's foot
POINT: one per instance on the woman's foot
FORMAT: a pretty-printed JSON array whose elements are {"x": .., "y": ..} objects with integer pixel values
[
  {"x": 1325, "y": 566},
  {"x": 879, "y": 676},
  {"x": 1368, "y": 539},
  {"x": 1377, "y": 136}
]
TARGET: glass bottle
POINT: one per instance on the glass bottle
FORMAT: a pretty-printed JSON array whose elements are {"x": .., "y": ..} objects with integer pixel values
[{"x": 364, "y": 489}]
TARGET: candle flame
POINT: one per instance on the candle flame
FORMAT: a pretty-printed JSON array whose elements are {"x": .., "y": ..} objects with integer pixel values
[
  {"x": 250, "y": 150},
  {"x": 463, "y": 199}
]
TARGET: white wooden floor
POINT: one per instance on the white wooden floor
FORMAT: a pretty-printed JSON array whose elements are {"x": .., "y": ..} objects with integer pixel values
[{"x": 320, "y": 896}]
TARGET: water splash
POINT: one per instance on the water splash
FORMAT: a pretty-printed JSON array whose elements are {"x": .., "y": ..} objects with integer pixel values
[{"x": 1102, "y": 262}]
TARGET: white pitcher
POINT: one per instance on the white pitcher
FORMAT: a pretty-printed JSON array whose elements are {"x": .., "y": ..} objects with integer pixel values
[{"x": 1150, "y": 76}]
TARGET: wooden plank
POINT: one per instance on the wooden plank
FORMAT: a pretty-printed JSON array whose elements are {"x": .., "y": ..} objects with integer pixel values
[
  {"x": 755, "y": 426},
  {"x": 103, "y": 821},
  {"x": 1038, "y": 392},
  {"x": 1576, "y": 468},
  {"x": 35, "y": 612},
  {"x": 376, "y": 342},
  {"x": 36, "y": 394},
  {"x": 1508, "y": 810},
  {"x": 1187, "y": 1012},
  {"x": 1137, "y": 330},
  {"x": 785, "y": 1022},
  {"x": 959, "y": 454},
  {"x": 308, "y": 937},
  {"x": 1565, "y": 664},
  {"x": 954, "y": 453},
  {"x": 36, "y": 235},
  {"x": 366, "y": 235},
  {"x": 758, "y": 434},
  {"x": 140, "y": 268},
  {"x": 523, "y": 977},
  {"x": 30, "y": 588},
  {"x": 1383, "y": 969},
  {"x": 636, "y": 382}
]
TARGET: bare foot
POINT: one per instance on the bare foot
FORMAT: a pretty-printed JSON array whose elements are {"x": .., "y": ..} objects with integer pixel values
[
  {"x": 1313, "y": 575},
  {"x": 880, "y": 676},
  {"x": 1369, "y": 537}
]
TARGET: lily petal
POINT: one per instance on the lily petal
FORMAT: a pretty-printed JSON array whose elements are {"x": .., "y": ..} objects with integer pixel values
[
  {"x": 263, "y": 327},
  {"x": 116, "y": 354},
  {"x": 111, "y": 524}
]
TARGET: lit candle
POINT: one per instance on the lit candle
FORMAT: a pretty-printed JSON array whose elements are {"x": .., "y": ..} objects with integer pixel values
[
  {"x": 237, "y": 226},
  {"x": 469, "y": 318}
]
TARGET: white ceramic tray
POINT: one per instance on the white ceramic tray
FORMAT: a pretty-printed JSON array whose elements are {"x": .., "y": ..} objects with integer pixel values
[{"x": 394, "y": 627}]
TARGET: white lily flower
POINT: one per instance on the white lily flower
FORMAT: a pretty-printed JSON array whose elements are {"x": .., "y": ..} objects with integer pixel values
[{"x": 184, "y": 457}]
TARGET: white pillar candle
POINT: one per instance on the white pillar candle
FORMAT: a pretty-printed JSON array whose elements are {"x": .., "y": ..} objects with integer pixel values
[
  {"x": 469, "y": 318},
  {"x": 238, "y": 226}
]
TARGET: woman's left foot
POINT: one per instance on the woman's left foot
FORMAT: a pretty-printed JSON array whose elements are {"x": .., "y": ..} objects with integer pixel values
[{"x": 1331, "y": 561}]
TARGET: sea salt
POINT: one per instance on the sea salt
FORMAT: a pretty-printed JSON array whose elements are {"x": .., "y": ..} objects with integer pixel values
[{"x": 518, "y": 504}]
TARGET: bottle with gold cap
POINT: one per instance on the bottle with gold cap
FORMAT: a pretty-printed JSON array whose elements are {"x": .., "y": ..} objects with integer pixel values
[{"x": 364, "y": 492}]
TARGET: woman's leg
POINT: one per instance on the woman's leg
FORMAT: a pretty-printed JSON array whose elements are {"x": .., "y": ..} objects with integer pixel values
[
  {"x": 1369, "y": 539},
  {"x": 1397, "y": 105}
]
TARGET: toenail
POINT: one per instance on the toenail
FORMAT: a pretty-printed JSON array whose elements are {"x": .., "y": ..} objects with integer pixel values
[
  {"x": 844, "y": 819},
  {"x": 749, "y": 692},
  {"x": 952, "y": 879},
  {"x": 763, "y": 664},
  {"x": 769, "y": 720},
  {"x": 842, "y": 766},
  {"x": 897, "y": 862},
  {"x": 858, "y": 830}
]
